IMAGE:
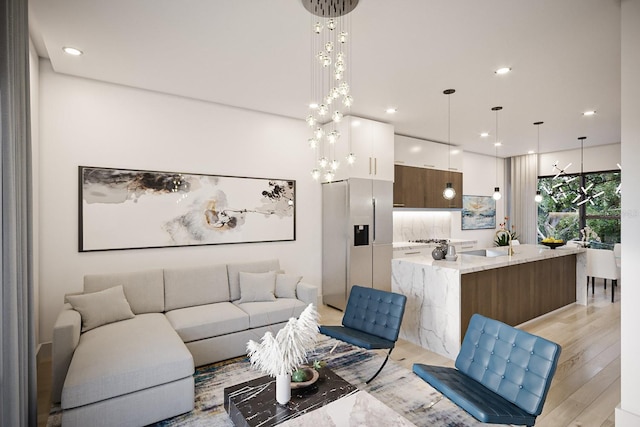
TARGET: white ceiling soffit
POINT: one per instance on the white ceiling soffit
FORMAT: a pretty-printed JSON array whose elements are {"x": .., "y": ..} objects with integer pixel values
[{"x": 256, "y": 54}]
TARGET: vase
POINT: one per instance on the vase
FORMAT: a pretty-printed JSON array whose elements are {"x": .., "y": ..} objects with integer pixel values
[
  {"x": 283, "y": 388},
  {"x": 437, "y": 253}
]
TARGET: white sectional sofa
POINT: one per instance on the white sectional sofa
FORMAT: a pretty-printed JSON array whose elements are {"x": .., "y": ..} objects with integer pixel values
[{"x": 124, "y": 351}]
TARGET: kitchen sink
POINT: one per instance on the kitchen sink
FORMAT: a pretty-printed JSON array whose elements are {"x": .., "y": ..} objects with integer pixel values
[{"x": 490, "y": 253}]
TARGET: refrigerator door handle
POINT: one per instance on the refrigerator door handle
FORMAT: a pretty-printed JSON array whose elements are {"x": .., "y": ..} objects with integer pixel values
[{"x": 374, "y": 218}]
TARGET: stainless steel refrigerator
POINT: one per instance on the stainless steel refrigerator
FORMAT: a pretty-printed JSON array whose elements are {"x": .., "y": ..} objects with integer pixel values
[{"x": 357, "y": 237}]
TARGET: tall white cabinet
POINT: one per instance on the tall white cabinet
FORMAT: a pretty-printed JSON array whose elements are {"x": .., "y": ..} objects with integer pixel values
[{"x": 372, "y": 143}]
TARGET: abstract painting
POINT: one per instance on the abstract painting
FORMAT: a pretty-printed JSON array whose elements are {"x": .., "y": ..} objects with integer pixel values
[
  {"x": 133, "y": 209},
  {"x": 478, "y": 212}
]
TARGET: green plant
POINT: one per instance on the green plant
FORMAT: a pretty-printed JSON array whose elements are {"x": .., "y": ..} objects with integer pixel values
[
  {"x": 503, "y": 236},
  {"x": 502, "y": 239}
]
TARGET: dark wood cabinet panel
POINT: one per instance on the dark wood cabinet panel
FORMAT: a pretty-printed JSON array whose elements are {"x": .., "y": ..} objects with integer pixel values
[
  {"x": 422, "y": 188},
  {"x": 518, "y": 293}
]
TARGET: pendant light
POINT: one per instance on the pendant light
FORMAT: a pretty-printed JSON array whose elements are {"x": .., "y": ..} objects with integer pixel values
[
  {"x": 538, "y": 197},
  {"x": 583, "y": 193},
  {"x": 496, "y": 190},
  {"x": 449, "y": 192}
]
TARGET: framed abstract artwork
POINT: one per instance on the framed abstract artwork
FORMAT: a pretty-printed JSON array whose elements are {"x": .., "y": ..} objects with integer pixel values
[
  {"x": 478, "y": 212},
  {"x": 135, "y": 209}
]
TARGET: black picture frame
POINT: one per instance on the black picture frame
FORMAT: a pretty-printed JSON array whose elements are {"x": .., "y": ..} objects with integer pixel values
[{"x": 139, "y": 209}]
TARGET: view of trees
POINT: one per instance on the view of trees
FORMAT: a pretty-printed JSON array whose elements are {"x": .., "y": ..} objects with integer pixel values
[{"x": 571, "y": 202}]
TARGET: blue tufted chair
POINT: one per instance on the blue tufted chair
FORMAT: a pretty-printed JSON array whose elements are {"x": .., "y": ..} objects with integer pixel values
[
  {"x": 371, "y": 320},
  {"x": 503, "y": 374}
]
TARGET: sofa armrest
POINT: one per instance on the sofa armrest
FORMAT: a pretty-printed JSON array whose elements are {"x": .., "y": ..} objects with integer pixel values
[
  {"x": 307, "y": 293},
  {"x": 66, "y": 334}
]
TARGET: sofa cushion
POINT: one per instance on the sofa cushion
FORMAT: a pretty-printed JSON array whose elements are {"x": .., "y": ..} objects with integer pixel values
[
  {"x": 101, "y": 308},
  {"x": 124, "y": 357},
  {"x": 144, "y": 289},
  {"x": 286, "y": 285},
  {"x": 256, "y": 287},
  {"x": 186, "y": 287},
  {"x": 249, "y": 267},
  {"x": 206, "y": 321},
  {"x": 269, "y": 313}
]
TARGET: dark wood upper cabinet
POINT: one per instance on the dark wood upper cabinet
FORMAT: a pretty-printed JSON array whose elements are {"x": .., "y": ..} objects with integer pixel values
[{"x": 422, "y": 188}]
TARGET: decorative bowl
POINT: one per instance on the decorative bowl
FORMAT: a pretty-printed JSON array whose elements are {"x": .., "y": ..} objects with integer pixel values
[
  {"x": 553, "y": 245},
  {"x": 311, "y": 376}
]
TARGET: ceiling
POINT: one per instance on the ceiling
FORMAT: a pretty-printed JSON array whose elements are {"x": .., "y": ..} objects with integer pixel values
[{"x": 256, "y": 54}]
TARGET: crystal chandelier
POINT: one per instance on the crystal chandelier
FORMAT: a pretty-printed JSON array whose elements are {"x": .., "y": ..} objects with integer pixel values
[{"x": 331, "y": 99}]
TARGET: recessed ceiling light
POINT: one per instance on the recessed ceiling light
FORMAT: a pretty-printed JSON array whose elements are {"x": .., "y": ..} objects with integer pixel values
[
  {"x": 391, "y": 110},
  {"x": 72, "y": 51},
  {"x": 484, "y": 134},
  {"x": 497, "y": 144},
  {"x": 503, "y": 70},
  {"x": 588, "y": 113},
  {"x": 530, "y": 152}
]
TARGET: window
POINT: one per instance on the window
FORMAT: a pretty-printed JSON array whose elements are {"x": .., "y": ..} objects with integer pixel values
[{"x": 572, "y": 202}]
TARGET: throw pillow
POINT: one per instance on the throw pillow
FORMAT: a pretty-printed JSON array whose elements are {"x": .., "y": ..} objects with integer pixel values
[
  {"x": 256, "y": 287},
  {"x": 286, "y": 285},
  {"x": 100, "y": 308}
]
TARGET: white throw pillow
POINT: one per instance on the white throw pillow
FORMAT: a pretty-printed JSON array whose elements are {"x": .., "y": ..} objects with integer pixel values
[
  {"x": 286, "y": 285},
  {"x": 256, "y": 287},
  {"x": 100, "y": 308}
]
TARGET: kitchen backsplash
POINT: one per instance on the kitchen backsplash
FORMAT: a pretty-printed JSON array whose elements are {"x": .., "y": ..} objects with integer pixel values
[{"x": 413, "y": 225}]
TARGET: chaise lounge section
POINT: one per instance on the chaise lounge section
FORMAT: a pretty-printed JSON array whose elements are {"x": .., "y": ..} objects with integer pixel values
[{"x": 138, "y": 369}]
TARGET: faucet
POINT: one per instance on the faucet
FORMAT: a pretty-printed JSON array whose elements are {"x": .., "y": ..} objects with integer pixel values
[{"x": 502, "y": 230}]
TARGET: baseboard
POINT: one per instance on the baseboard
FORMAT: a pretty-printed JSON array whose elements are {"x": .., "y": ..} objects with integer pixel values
[
  {"x": 542, "y": 316},
  {"x": 43, "y": 353}
]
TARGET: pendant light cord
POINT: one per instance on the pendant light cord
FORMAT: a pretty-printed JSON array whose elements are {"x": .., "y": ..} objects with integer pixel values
[
  {"x": 496, "y": 145},
  {"x": 449, "y": 136}
]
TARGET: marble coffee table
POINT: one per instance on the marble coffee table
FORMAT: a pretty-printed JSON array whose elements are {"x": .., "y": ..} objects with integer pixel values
[{"x": 331, "y": 398}]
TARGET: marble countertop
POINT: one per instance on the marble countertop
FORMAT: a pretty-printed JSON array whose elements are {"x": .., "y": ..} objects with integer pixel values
[{"x": 471, "y": 263}]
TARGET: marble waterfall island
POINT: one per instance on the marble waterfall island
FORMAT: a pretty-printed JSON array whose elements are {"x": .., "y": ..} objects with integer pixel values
[{"x": 443, "y": 295}]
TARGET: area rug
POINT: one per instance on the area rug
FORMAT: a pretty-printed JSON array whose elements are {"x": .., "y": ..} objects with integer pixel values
[{"x": 395, "y": 386}]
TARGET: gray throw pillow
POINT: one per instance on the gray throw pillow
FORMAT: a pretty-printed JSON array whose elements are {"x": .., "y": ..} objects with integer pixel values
[
  {"x": 100, "y": 308},
  {"x": 286, "y": 285},
  {"x": 256, "y": 287}
]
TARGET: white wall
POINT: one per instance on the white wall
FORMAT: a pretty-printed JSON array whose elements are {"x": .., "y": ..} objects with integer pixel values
[
  {"x": 629, "y": 412},
  {"x": 89, "y": 123},
  {"x": 34, "y": 99},
  {"x": 479, "y": 179},
  {"x": 595, "y": 159}
]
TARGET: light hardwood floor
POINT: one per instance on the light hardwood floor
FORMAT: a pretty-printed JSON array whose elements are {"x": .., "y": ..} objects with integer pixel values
[{"x": 586, "y": 386}]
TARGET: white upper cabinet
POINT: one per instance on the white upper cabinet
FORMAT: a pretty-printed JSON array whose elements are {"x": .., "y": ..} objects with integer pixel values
[
  {"x": 371, "y": 142},
  {"x": 457, "y": 156},
  {"x": 427, "y": 154}
]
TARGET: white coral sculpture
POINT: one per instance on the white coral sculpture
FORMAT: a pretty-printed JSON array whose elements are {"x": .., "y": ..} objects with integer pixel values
[{"x": 288, "y": 350}]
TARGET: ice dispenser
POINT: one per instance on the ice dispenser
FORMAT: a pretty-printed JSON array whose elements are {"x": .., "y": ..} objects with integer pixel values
[{"x": 361, "y": 235}]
